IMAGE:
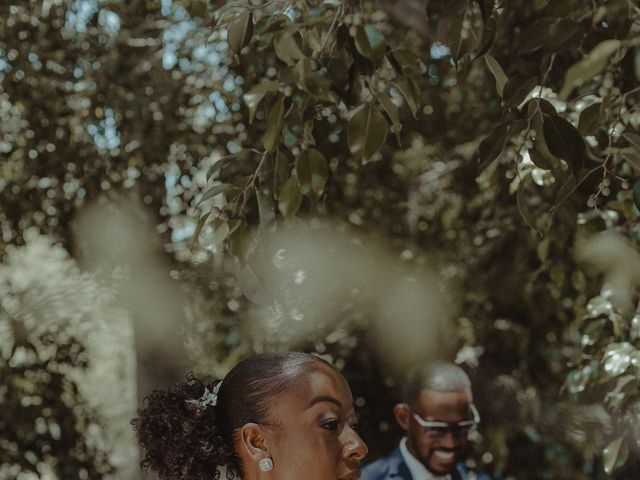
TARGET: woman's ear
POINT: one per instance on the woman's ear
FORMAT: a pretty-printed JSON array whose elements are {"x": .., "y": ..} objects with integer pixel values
[
  {"x": 253, "y": 441},
  {"x": 402, "y": 414}
]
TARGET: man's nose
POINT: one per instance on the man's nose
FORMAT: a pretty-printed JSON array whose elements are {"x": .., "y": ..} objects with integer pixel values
[{"x": 449, "y": 439}]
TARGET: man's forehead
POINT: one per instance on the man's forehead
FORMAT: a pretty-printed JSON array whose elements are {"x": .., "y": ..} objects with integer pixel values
[{"x": 444, "y": 401}]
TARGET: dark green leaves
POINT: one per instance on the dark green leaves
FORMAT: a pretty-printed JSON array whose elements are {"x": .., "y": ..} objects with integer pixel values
[
  {"x": 254, "y": 96},
  {"x": 633, "y": 138},
  {"x": 366, "y": 132},
  {"x": 290, "y": 198},
  {"x": 497, "y": 72},
  {"x": 240, "y": 32},
  {"x": 410, "y": 91},
  {"x": 271, "y": 138},
  {"x": 516, "y": 91},
  {"x": 564, "y": 142},
  {"x": 215, "y": 190},
  {"x": 312, "y": 172},
  {"x": 265, "y": 207},
  {"x": 614, "y": 455},
  {"x": 393, "y": 114},
  {"x": 636, "y": 194},
  {"x": 550, "y": 34},
  {"x": 590, "y": 119},
  {"x": 589, "y": 66},
  {"x": 286, "y": 48},
  {"x": 492, "y": 145},
  {"x": 370, "y": 43}
]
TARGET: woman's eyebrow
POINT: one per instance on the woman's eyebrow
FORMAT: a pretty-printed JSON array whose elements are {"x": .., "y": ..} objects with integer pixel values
[{"x": 325, "y": 398}]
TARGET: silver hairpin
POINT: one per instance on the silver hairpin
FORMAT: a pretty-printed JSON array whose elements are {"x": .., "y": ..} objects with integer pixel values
[{"x": 209, "y": 397}]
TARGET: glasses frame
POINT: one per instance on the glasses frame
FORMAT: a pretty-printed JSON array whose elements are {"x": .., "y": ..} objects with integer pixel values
[{"x": 472, "y": 424}]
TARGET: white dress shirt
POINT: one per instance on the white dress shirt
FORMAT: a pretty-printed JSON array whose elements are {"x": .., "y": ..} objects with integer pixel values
[{"x": 417, "y": 469}]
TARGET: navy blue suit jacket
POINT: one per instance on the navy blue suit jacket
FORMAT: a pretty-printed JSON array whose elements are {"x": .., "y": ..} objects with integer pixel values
[{"x": 394, "y": 467}]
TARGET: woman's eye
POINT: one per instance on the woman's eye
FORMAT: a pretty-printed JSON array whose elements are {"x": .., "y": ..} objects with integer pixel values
[
  {"x": 330, "y": 425},
  {"x": 355, "y": 427}
]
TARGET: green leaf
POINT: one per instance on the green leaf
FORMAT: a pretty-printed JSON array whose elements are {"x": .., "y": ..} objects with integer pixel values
[
  {"x": 215, "y": 168},
  {"x": 516, "y": 91},
  {"x": 636, "y": 194},
  {"x": 488, "y": 37},
  {"x": 254, "y": 96},
  {"x": 590, "y": 119},
  {"x": 287, "y": 49},
  {"x": 393, "y": 114},
  {"x": 366, "y": 132},
  {"x": 312, "y": 171},
  {"x": 275, "y": 119},
  {"x": 569, "y": 186},
  {"x": 410, "y": 91},
  {"x": 633, "y": 138},
  {"x": 590, "y": 66},
  {"x": 497, "y": 71},
  {"x": 266, "y": 207},
  {"x": 215, "y": 190},
  {"x": 492, "y": 145},
  {"x": 540, "y": 154},
  {"x": 550, "y": 34},
  {"x": 316, "y": 82},
  {"x": 290, "y": 198},
  {"x": 280, "y": 172},
  {"x": 564, "y": 142},
  {"x": 405, "y": 61},
  {"x": 240, "y": 32},
  {"x": 523, "y": 208},
  {"x": 220, "y": 232},
  {"x": 252, "y": 287},
  {"x": 632, "y": 156},
  {"x": 370, "y": 43},
  {"x": 614, "y": 455},
  {"x": 199, "y": 226}
]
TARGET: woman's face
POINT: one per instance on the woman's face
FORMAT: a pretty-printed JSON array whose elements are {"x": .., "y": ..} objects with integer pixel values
[{"x": 313, "y": 434}]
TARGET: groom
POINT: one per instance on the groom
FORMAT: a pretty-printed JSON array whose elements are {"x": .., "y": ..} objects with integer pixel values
[{"x": 437, "y": 415}]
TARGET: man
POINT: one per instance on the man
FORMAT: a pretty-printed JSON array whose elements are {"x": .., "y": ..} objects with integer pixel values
[{"x": 437, "y": 415}]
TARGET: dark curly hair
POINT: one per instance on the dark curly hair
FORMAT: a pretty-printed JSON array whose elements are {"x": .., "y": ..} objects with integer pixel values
[{"x": 183, "y": 438}]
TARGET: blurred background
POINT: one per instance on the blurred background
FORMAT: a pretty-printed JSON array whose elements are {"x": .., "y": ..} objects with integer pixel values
[{"x": 184, "y": 183}]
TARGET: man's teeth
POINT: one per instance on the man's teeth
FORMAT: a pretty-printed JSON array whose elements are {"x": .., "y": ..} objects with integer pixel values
[{"x": 444, "y": 455}]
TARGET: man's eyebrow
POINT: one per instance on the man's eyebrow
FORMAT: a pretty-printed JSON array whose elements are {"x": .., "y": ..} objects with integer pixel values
[{"x": 324, "y": 398}]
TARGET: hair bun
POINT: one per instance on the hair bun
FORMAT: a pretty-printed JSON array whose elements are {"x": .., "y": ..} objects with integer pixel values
[{"x": 179, "y": 434}]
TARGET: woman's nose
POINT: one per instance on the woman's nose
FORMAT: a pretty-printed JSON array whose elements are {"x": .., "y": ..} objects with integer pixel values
[{"x": 355, "y": 447}]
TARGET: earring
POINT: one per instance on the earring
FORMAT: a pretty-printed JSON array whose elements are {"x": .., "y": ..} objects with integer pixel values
[{"x": 266, "y": 464}]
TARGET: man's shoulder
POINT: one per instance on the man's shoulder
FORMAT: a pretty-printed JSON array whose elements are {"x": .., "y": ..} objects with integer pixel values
[
  {"x": 468, "y": 473},
  {"x": 379, "y": 469}
]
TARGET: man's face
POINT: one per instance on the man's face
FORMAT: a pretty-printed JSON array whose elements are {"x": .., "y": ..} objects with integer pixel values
[{"x": 438, "y": 451}]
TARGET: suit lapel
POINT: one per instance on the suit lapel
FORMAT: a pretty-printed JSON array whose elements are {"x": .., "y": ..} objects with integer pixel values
[{"x": 398, "y": 469}]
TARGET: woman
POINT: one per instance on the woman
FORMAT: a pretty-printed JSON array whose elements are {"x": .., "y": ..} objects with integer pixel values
[{"x": 274, "y": 417}]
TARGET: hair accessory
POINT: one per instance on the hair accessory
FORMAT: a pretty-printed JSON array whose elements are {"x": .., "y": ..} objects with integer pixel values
[
  {"x": 209, "y": 397},
  {"x": 266, "y": 464}
]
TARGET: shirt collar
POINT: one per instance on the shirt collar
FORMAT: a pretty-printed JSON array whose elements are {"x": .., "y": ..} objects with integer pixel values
[{"x": 416, "y": 468}]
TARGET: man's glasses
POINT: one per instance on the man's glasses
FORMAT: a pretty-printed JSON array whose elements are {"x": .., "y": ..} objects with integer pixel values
[{"x": 433, "y": 429}]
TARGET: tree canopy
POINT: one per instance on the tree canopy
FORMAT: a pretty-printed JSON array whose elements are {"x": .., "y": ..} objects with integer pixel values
[{"x": 501, "y": 138}]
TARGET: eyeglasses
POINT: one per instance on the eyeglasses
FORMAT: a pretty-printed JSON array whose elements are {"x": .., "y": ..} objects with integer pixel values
[{"x": 433, "y": 429}]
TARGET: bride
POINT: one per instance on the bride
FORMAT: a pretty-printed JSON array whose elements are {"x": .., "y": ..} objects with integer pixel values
[{"x": 273, "y": 417}]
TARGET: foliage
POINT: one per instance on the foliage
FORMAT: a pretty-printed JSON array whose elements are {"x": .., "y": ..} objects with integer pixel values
[
  {"x": 48, "y": 426},
  {"x": 545, "y": 93},
  {"x": 492, "y": 135}
]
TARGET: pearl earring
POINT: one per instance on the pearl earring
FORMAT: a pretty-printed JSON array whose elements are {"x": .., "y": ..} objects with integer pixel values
[{"x": 266, "y": 464}]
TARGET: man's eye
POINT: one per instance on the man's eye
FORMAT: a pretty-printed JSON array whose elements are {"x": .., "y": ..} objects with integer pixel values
[{"x": 330, "y": 425}]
